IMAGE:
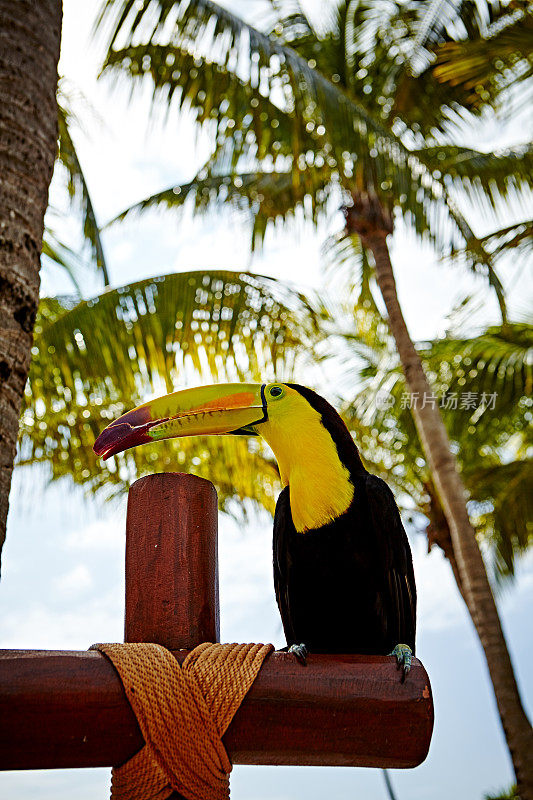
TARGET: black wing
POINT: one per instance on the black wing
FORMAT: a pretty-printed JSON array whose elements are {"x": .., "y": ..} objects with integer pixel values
[
  {"x": 281, "y": 556},
  {"x": 398, "y": 591}
]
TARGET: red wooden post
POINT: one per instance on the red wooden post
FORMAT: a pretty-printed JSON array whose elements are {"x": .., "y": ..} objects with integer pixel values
[{"x": 172, "y": 561}]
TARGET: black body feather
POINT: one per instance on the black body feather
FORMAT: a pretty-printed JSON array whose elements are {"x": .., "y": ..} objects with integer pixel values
[{"x": 349, "y": 586}]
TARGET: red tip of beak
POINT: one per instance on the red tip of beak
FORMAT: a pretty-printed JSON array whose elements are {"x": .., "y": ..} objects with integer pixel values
[{"x": 118, "y": 437}]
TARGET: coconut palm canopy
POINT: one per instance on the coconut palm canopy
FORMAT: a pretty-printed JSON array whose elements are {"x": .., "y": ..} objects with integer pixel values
[
  {"x": 276, "y": 113},
  {"x": 390, "y": 47},
  {"x": 494, "y": 58},
  {"x": 303, "y": 115}
]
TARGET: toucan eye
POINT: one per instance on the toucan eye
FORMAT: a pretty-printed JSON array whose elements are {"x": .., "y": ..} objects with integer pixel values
[{"x": 275, "y": 391}]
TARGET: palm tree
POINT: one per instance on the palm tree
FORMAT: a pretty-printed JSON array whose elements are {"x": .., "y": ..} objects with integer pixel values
[
  {"x": 291, "y": 104},
  {"x": 514, "y": 240},
  {"x": 28, "y": 132},
  {"x": 505, "y": 794},
  {"x": 77, "y": 378}
]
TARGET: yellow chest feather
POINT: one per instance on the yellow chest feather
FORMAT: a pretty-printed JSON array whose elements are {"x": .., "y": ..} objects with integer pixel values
[{"x": 319, "y": 483}]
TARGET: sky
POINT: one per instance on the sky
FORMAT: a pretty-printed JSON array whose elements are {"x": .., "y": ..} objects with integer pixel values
[{"x": 62, "y": 584}]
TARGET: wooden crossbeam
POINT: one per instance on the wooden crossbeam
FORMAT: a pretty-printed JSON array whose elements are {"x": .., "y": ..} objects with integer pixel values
[{"x": 68, "y": 709}]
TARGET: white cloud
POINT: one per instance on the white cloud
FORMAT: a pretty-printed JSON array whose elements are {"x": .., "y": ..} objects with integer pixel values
[
  {"x": 42, "y": 625},
  {"x": 75, "y": 581},
  {"x": 83, "y": 784},
  {"x": 128, "y": 158},
  {"x": 248, "y": 608},
  {"x": 105, "y": 534}
]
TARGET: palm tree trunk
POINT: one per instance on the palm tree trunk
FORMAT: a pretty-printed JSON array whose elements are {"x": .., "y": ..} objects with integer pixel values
[
  {"x": 438, "y": 532},
  {"x": 473, "y": 577},
  {"x": 30, "y": 32}
]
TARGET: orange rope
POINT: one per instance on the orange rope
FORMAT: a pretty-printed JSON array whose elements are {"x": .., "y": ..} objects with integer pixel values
[{"x": 183, "y": 712}]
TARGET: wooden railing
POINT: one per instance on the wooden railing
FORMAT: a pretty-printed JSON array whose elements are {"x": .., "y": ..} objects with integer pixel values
[{"x": 68, "y": 709}]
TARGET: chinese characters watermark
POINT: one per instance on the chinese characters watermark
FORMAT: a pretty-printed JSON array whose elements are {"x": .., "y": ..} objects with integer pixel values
[{"x": 451, "y": 401}]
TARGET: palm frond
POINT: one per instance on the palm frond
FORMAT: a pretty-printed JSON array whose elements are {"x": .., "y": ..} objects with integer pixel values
[
  {"x": 94, "y": 361},
  {"x": 266, "y": 101},
  {"x": 439, "y": 21},
  {"x": 312, "y": 102},
  {"x": 485, "y": 381},
  {"x": 350, "y": 263},
  {"x": 517, "y": 238},
  {"x": 486, "y": 64},
  {"x": 477, "y": 257},
  {"x": 430, "y": 21},
  {"x": 496, "y": 367},
  {"x": 390, "y": 55},
  {"x": 77, "y": 186},
  {"x": 292, "y": 23},
  {"x": 61, "y": 255},
  {"x": 506, "y": 516},
  {"x": 494, "y": 176},
  {"x": 262, "y": 197},
  {"x": 218, "y": 96},
  {"x": 483, "y": 386},
  {"x": 510, "y": 793}
]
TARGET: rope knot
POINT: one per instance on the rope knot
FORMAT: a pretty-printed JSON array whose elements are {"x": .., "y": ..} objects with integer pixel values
[{"x": 183, "y": 712}]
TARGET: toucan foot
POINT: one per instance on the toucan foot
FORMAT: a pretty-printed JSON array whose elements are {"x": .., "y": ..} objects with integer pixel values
[
  {"x": 404, "y": 657},
  {"x": 300, "y": 651}
]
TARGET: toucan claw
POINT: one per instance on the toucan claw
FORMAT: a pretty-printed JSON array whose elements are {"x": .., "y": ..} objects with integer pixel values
[
  {"x": 404, "y": 657},
  {"x": 300, "y": 651}
]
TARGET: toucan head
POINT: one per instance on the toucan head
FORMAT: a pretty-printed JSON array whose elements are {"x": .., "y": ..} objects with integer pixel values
[{"x": 272, "y": 410}]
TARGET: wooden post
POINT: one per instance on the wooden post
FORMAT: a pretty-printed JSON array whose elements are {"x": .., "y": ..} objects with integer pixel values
[{"x": 172, "y": 562}]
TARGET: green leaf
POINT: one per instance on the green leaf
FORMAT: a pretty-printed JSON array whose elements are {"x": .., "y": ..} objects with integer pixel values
[
  {"x": 492, "y": 60},
  {"x": 77, "y": 184},
  {"x": 517, "y": 238},
  {"x": 306, "y": 110},
  {"x": 262, "y": 197},
  {"x": 506, "y": 519},
  {"x": 492, "y": 176},
  {"x": 279, "y": 108}
]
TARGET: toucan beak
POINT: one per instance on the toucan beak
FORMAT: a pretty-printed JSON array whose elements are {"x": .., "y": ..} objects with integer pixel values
[{"x": 219, "y": 409}]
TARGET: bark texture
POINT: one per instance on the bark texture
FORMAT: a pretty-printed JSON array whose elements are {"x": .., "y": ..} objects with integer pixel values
[
  {"x": 373, "y": 226},
  {"x": 30, "y": 32},
  {"x": 438, "y": 533}
]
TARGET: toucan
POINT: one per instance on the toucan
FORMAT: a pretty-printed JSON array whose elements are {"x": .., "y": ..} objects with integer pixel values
[{"x": 343, "y": 572}]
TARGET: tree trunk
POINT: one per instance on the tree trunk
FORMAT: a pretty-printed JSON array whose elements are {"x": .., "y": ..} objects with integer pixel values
[
  {"x": 30, "y": 32},
  {"x": 473, "y": 577},
  {"x": 438, "y": 533}
]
